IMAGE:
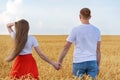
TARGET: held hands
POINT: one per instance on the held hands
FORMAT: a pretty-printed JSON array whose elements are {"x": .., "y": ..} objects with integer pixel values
[{"x": 57, "y": 66}]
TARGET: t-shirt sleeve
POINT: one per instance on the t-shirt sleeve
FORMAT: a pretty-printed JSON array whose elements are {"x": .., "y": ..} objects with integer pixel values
[
  {"x": 99, "y": 36},
  {"x": 99, "y": 39},
  {"x": 12, "y": 34},
  {"x": 71, "y": 37},
  {"x": 35, "y": 42}
]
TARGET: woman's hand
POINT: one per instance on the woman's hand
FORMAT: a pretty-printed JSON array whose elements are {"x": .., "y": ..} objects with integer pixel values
[{"x": 9, "y": 25}]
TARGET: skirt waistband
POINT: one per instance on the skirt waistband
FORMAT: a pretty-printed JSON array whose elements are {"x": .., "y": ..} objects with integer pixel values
[{"x": 26, "y": 54}]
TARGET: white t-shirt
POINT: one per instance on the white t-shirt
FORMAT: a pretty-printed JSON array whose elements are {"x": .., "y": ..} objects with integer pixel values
[
  {"x": 31, "y": 42},
  {"x": 85, "y": 38}
]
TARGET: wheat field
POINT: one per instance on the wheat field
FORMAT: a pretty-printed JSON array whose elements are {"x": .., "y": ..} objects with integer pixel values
[{"x": 51, "y": 46}]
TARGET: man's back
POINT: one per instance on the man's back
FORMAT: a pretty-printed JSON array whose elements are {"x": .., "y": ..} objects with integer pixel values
[{"x": 85, "y": 38}]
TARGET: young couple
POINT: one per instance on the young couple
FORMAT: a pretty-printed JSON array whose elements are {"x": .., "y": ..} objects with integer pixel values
[{"x": 86, "y": 38}]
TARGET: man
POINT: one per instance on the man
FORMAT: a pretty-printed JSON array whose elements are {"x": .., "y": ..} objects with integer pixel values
[{"x": 86, "y": 38}]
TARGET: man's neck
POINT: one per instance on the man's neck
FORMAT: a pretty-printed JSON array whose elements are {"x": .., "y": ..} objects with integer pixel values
[{"x": 83, "y": 21}]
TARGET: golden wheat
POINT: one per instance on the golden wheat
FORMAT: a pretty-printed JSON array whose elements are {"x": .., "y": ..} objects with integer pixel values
[{"x": 51, "y": 46}]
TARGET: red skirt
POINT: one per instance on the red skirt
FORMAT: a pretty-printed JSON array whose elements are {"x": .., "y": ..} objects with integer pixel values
[{"x": 24, "y": 65}]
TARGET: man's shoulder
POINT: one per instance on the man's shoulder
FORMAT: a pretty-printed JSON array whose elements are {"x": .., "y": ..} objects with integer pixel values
[
  {"x": 76, "y": 27},
  {"x": 95, "y": 27}
]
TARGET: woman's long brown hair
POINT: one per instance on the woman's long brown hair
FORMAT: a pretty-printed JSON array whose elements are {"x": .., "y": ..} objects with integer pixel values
[{"x": 21, "y": 35}]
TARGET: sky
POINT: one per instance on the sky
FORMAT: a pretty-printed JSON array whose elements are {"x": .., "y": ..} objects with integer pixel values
[{"x": 58, "y": 17}]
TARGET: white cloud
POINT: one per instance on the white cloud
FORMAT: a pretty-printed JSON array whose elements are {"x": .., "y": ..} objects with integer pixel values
[{"x": 11, "y": 11}]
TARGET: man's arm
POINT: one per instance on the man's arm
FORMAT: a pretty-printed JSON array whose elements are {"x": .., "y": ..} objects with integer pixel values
[
  {"x": 98, "y": 53},
  {"x": 64, "y": 52}
]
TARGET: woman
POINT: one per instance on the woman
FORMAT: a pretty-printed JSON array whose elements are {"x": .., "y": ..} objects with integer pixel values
[{"x": 23, "y": 43}]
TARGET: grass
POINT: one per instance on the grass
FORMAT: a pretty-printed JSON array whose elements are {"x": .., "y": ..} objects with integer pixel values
[{"x": 51, "y": 46}]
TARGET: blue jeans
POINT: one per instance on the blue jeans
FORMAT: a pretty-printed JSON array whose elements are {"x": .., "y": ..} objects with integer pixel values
[{"x": 89, "y": 67}]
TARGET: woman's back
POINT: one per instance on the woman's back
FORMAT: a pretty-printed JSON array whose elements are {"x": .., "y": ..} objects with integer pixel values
[{"x": 31, "y": 42}]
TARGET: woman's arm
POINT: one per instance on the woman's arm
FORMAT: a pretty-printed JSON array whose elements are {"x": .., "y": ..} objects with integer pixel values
[
  {"x": 9, "y": 27},
  {"x": 37, "y": 49}
]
